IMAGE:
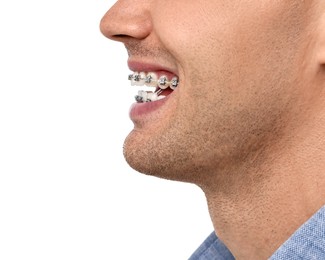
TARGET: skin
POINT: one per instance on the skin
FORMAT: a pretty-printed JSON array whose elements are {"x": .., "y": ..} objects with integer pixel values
[{"x": 247, "y": 122}]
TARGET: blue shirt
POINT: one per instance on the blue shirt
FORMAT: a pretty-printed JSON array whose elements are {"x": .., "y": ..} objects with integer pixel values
[{"x": 307, "y": 243}]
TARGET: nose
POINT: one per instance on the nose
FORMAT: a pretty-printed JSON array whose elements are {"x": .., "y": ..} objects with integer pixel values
[{"x": 127, "y": 19}]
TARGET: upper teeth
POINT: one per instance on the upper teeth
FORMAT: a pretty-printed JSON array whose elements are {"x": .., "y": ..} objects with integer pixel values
[{"x": 151, "y": 79}]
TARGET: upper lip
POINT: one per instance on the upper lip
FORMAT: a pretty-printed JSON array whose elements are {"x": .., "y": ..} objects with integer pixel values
[{"x": 138, "y": 66}]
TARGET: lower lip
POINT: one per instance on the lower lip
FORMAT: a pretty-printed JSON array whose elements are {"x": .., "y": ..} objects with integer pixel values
[{"x": 139, "y": 110}]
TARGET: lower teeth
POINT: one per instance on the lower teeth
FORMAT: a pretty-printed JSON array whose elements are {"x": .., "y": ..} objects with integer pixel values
[{"x": 144, "y": 96}]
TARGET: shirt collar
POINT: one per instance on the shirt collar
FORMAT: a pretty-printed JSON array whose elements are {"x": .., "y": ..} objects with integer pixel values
[{"x": 308, "y": 242}]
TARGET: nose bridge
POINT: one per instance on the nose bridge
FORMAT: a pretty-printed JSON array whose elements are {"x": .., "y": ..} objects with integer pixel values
[{"x": 127, "y": 19}]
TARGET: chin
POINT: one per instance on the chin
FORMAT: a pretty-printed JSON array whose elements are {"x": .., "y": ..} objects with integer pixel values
[
  {"x": 159, "y": 155},
  {"x": 138, "y": 159},
  {"x": 139, "y": 162}
]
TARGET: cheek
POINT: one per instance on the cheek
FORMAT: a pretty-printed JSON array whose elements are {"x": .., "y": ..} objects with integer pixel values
[
  {"x": 228, "y": 34},
  {"x": 186, "y": 29}
]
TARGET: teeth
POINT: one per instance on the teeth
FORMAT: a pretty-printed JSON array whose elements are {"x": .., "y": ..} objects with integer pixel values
[
  {"x": 135, "y": 79},
  {"x": 152, "y": 97},
  {"x": 138, "y": 98},
  {"x": 144, "y": 96},
  {"x": 174, "y": 83},
  {"x": 163, "y": 82},
  {"x": 161, "y": 97},
  {"x": 138, "y": 79},
  {"x": 142, "y": 78},
  {"x": 151, "y": 80}
]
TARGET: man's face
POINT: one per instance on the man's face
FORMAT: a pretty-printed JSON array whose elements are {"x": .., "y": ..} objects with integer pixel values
[{"x": 241, "y": 76}]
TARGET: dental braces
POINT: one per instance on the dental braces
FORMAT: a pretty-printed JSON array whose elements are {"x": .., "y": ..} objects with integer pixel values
[
  {"x": 151, "y": 80},
  {"x": 144, "y": 96}
]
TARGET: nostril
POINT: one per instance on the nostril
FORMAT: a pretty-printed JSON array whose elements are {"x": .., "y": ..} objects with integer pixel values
[{"x": 121, "y": 36}]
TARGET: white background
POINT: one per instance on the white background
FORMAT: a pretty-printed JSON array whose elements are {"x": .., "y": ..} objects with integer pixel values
[{"x": 65, "y": 189}]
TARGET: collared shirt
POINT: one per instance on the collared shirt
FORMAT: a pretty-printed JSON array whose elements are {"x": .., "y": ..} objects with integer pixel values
[{"x": 307, "y": 243}]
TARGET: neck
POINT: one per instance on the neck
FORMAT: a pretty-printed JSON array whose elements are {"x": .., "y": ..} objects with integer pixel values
[{"x": 255, "y": 209}]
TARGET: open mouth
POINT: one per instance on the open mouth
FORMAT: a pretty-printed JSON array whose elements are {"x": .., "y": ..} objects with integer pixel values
[{"x": 162, "y": 85}]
